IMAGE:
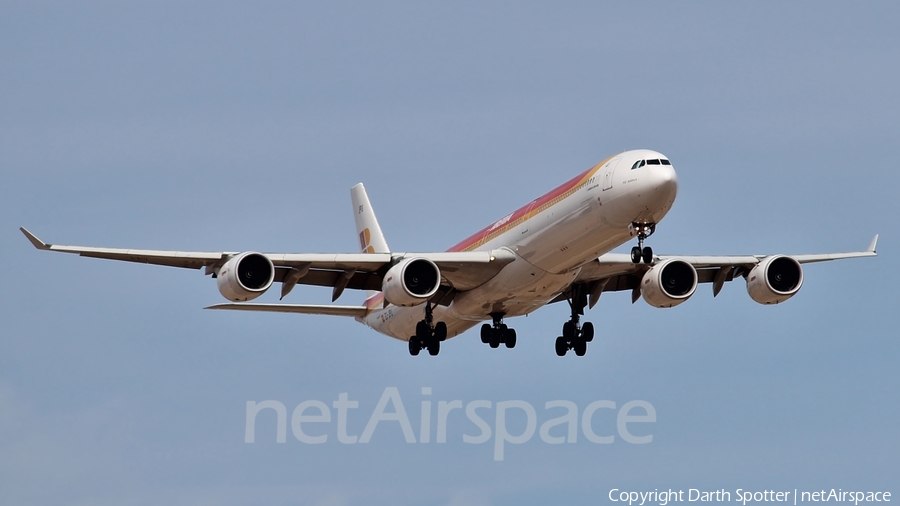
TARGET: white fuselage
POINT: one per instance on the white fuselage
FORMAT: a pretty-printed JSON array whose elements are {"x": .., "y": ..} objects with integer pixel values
[{"x": 553, "y": 237}]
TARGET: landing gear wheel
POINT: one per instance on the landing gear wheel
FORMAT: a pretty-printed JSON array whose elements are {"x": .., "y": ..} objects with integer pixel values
[
  {"x": 561, "y": 346},
  {"x": 569, "y": 330},
  {"x": 510, "y": 338},
  {"x": 639, "y": 252},
  {"x": 440, "y": 331},
  {"x": 423, "y": 330},
  {"x": 587, "y": 332},
  {"x": 580, "y": 347},
  {"x": 428, "y": 333},
  {"x": 498, "y": 333},
  {"x": 575, "y": 335}
]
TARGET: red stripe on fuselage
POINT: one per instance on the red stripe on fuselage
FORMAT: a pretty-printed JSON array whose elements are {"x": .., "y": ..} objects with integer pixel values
[
  {"x": 374, "y": 302},
  {"x": 517, "y": 217},
  {"x": 525, "y": 212}
]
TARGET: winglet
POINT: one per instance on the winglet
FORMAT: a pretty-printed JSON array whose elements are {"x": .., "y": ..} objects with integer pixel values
[
  {"x": 39, "y": 244},
  {"x": 871, "y": 246}
]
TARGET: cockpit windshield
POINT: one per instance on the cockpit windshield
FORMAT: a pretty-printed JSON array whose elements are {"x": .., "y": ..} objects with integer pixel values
[{"x": 640, "y": 163}]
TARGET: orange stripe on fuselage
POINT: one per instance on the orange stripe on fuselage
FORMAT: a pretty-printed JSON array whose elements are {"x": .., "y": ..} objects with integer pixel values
[
  {"x": 518, "y": 217},
  {"x": 528, "y": 211}
]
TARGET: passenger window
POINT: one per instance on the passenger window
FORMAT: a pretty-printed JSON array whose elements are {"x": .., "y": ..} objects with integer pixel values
[
  {"x": 665, "y": 162},
  {"x": 652, "y": 162}
]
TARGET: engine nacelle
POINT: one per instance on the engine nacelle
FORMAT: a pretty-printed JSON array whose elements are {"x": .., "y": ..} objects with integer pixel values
[
  {"x": 245, "y": 277},
  {"x": 775, "y": 279},
  {"x": 669, "y": 283},
  {"x": 411, "y": 282}
]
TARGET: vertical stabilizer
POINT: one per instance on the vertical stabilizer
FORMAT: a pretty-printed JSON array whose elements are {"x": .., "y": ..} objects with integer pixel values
[
  {"x": 371, "y": 240},
  {"x": 368, "y": 231}
]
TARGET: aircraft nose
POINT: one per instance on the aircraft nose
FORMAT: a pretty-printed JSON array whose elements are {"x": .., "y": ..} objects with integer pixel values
[{"x": 665, "y": 181}]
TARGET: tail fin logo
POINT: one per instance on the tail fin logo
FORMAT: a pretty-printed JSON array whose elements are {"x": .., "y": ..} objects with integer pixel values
[{"x": 365, "y": 237}]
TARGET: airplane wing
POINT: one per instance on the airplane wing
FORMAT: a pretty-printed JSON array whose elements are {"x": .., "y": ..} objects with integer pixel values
[
  {"x": 616, "y": 272},
  {"x": 459, "y": 270}
]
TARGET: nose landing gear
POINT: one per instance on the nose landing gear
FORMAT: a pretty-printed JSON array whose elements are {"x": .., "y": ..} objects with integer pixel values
[
  {"x": 639, "y": 252},
  {"x": 428, "y": 334},
  {"x": 498, "y": 332}
]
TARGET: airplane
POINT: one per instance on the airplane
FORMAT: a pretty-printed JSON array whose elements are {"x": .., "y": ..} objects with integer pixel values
[{"x": 555, "y": 248}]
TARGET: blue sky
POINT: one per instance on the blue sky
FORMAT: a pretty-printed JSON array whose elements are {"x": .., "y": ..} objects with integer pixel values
[{"x": 227, "y": 126}]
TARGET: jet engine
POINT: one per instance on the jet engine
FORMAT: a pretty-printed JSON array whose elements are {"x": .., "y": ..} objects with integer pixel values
[
  {"x": 669, "y": 283},
  {"x": 775, "y": 279},
  {"x": 411, "y": 282},
  {"x": 245, "y": 277}
]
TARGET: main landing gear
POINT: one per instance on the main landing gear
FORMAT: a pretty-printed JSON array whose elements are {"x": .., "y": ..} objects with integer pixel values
[
  {"x": 639, "y": 252},
  {"x": 575, "y": 336},
  {"x": 498, "y": 333},
  {"x": 428, "y": 334}
]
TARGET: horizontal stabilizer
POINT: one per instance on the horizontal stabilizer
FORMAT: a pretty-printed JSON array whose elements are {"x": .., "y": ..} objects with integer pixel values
[{"x": 355, "y": 311}]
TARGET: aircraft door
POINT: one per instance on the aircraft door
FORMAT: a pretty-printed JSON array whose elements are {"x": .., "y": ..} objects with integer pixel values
[{"x": 608, "y": 171}]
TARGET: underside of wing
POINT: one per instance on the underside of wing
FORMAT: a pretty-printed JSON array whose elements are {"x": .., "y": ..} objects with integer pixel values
[
  {"x": 617, "y": 272},
  {"x": 354, "y": 311},
  {"x": 457, "y": 271},
  {"x": 366, "y": 271}
]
